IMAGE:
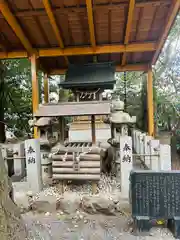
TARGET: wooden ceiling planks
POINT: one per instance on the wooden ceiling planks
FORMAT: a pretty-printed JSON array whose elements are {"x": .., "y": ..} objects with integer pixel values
[{"x": 108, "y": 21}]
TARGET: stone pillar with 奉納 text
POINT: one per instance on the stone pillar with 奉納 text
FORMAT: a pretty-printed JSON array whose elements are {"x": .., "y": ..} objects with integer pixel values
[
  {"x": 33, "y": 165},
  {"x": 126, "y": 164}
]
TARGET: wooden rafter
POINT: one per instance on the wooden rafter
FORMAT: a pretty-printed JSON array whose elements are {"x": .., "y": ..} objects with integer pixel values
[
  {"x": 82, "y": 9},
  {"x": 119, "y": 68},
  {"x": 38, "y": 23},
  {"x": 91, "y": 25},
  {"x": 128, "y": 27},
  {"x": 73, "y": 51},
  {"x": 54, "y": 25},
  {"x": 6, "y": 12},
  {"x": 175, "y": 6},
  {"x": 91, "y": 22}
]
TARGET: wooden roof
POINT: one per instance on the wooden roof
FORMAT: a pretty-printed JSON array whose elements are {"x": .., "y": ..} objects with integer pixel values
[
  {"x": 89, "y": 76},
  {"x": 60, "y": 32}
]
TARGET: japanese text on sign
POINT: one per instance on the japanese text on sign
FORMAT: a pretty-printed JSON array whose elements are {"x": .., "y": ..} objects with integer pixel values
[
  {"x": 45, "y": 155},
  {"x": 126, "y": 151},
  {"x": 30, "y": 150},
  {"x": 126, "y": 158},
  {"x": 126, "y": 148},
  {"x": 31, "y": 160},
  {"x": 46, "y": 170}
]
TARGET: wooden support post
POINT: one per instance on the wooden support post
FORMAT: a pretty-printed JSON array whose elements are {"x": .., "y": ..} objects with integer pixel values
[
  {"x": 35, "y": 88},
  {"x": 150, "y": 103},
  {"x": 46, "y": 88},
  {"x": 94, "y": 187},
  {"x": 93, "y": 129},
  {"x": 62, "y": 130}
]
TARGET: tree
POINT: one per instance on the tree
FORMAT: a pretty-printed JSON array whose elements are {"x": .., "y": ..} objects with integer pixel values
[
  {"x": 128, "y": 87},
  {"x": 166, "y": 81},
  {"x": 2, "y": 110},
  {"x": 11, "y": 224},
  {"x": 16, "y": 95}
]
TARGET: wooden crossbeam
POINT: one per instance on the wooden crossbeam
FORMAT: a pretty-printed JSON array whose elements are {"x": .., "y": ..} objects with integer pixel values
[
  {"x": 54, "y": 25},
  {"x": 128, "y": 27},
  {"x": 175, "y": 6},
  {"x": 73, "y": 51},
  {"x": 6, "y": 12},
  {"x": 119, "y": 68}
]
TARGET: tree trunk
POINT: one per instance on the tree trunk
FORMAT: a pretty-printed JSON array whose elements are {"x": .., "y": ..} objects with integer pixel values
[
  {"x": 2, "y": 105},
  {"x": 11, "y": 224},
  {"x": 2, "y": 126}
]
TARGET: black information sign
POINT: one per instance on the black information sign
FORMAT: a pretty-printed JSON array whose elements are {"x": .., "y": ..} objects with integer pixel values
[{"x": 155, "y": 194}]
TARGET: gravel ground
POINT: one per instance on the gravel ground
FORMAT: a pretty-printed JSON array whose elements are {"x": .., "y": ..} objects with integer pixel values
[{"x": 90, "y": 227}]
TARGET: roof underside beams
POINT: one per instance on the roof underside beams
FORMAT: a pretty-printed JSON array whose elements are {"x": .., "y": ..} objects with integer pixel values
[
  {"x": 130, "y": 32},
  {"x": 75, "y": 51}
]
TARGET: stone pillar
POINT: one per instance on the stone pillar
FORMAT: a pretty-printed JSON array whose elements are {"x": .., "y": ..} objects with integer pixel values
[
  {"x": 4, "y": 155},
  {"x": 126, "y": 164},
  {"x": 46, "y": 165},
  {"x": 154, "y": 150},
  {"x": 138, "y": 142},
  {"x": 141, "y": 149},
  {"x": 19, "y": 164},
  {"x": 165, "y": 157},
  {"x": 33, "y": 165},
  {"x": 147, "y": 151},
  {"x": 133, "y": 138}
]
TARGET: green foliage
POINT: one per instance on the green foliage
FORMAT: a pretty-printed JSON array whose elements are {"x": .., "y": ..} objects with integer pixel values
[
  {"x": 16, "y": 90},
  {"x": 17, "y": 95},
  {"x": 166, "y": 81},
  {"x": 166, "y": 76},
  {"x": 133, "y": 85}
]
